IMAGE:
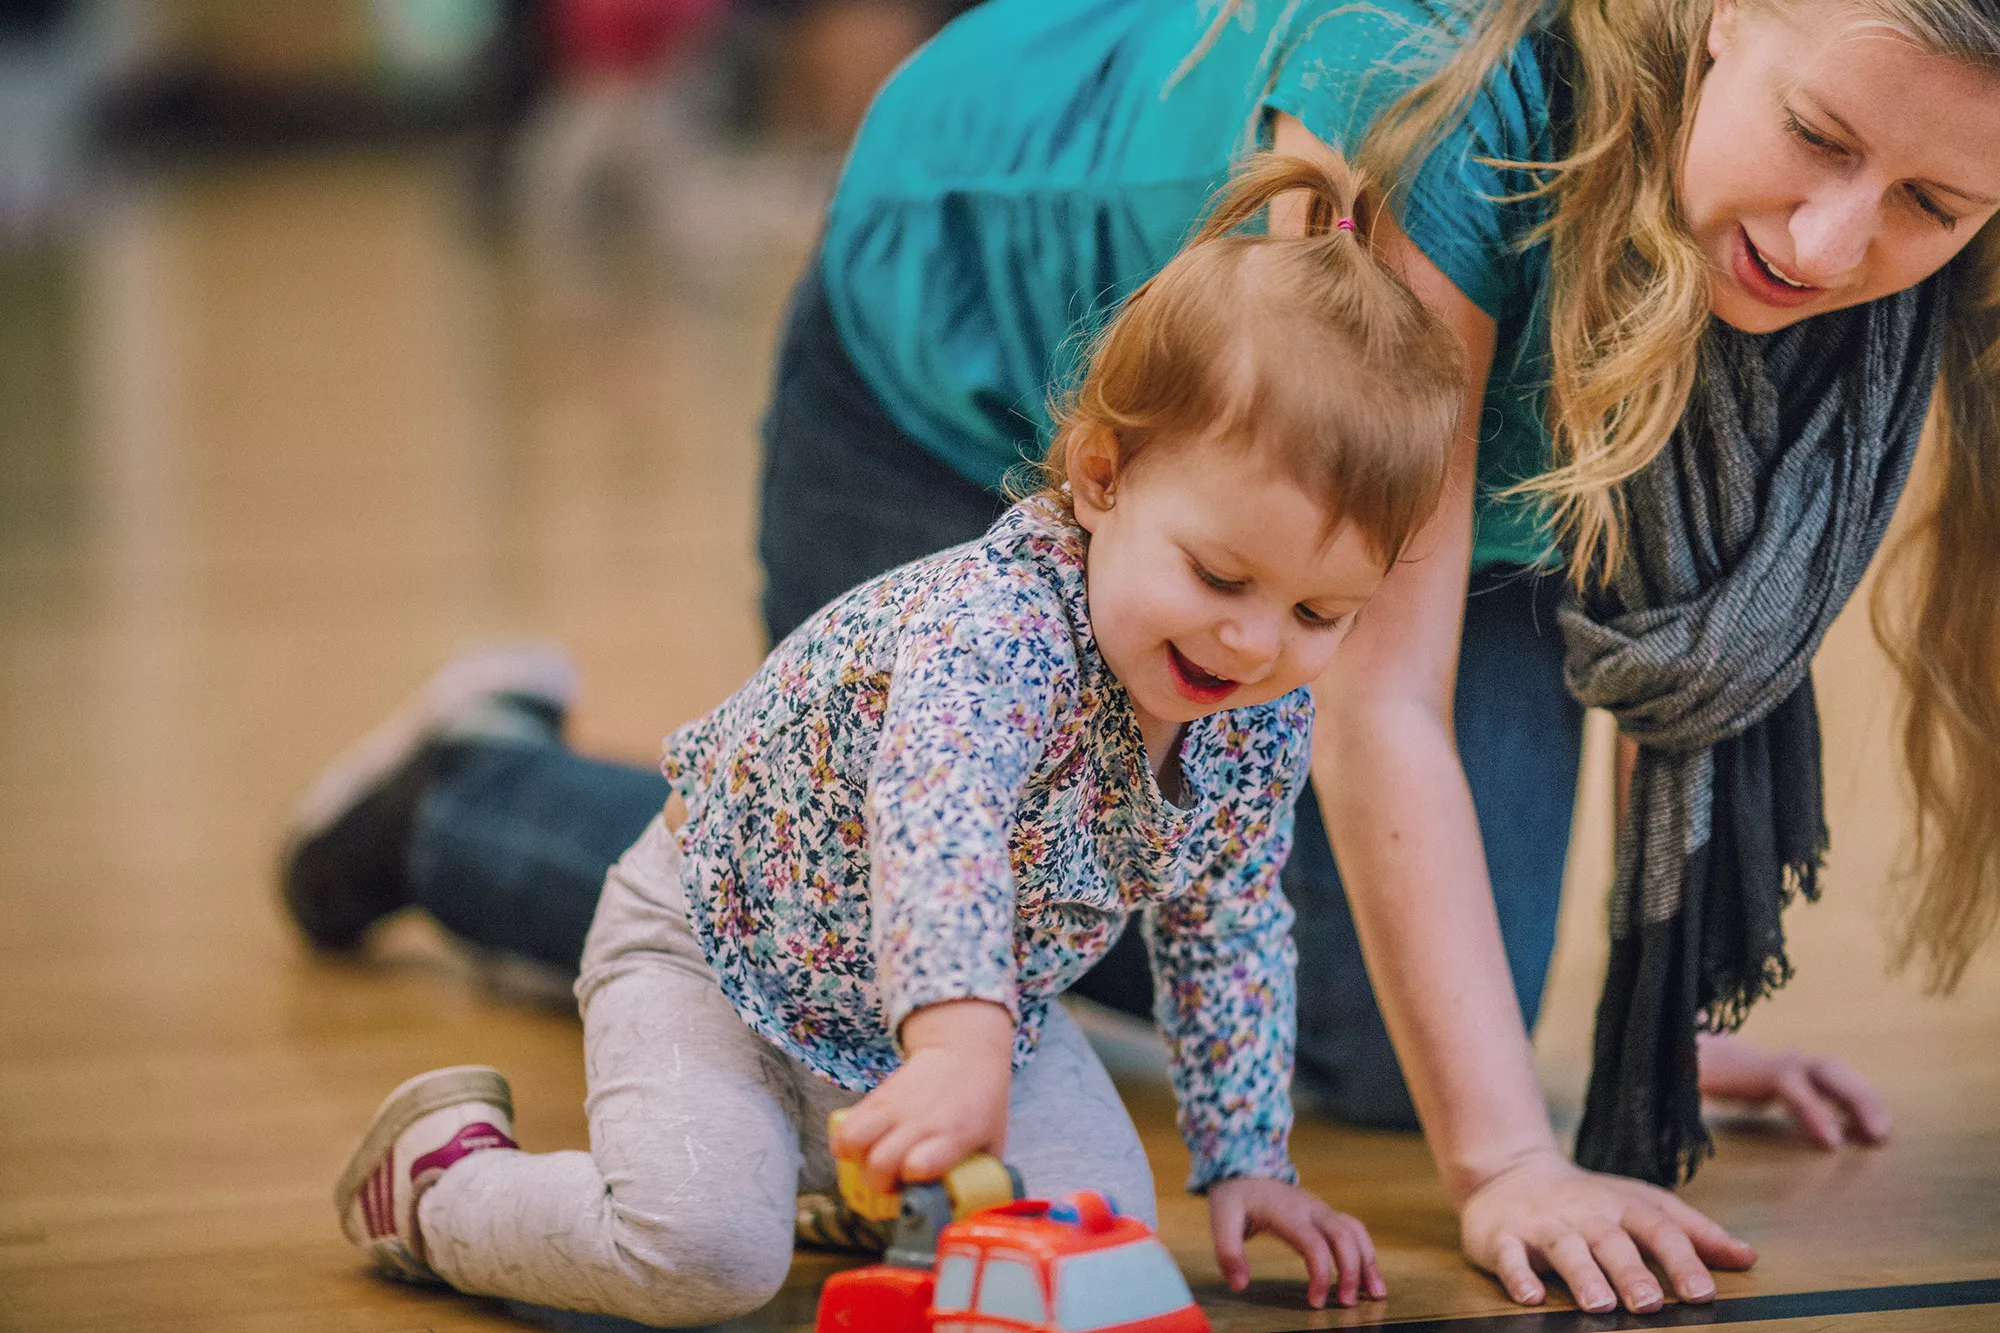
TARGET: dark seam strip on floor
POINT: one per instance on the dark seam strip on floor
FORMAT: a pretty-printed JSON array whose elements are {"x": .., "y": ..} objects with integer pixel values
[{"x": 1736, "y": 1310}]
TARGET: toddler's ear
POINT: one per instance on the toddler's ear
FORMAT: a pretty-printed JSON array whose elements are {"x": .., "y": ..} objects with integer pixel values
[{"x": 1092, "y": 463}]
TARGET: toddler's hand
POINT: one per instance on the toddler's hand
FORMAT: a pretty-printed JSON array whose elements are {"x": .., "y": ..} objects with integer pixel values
[
  {"x": 947, "y": 1102},
  {"x": 1332, "y": 1244}
]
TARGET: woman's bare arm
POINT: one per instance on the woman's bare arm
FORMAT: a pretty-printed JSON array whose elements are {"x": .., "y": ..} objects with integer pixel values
[{"x": 1401, "y": 818}]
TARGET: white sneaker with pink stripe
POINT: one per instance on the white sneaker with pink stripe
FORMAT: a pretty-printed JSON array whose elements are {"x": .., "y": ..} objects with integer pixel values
[{"x": 425, "y": 1126}]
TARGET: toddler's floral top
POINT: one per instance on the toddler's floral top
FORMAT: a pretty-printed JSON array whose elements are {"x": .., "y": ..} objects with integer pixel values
[{"x": 936, "y": 790}]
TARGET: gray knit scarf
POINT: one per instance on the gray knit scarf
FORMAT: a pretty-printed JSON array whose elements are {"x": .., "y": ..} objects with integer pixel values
[{"x": 1747, "y": 535}]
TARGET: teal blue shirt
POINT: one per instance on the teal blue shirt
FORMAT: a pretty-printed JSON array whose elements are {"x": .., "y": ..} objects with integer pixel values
[{"x": 1039, "y": 159}]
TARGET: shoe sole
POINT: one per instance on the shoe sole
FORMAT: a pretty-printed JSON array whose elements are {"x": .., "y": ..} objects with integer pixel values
[
  {"x": 543, "y": 674},
  {"x": 411, "y": 1101}
]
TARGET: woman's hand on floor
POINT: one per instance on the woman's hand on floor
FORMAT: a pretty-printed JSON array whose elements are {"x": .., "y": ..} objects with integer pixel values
[
  {"x": 947, "y": 1102},
  {"x": 1333, "y": 1244},
  {"x": 1830, "y": 1103},
  {"x": 1595, "y": 1232}
]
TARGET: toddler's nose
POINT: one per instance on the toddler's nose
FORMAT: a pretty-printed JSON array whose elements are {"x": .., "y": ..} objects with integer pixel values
[{"x": 1252, "y": 645}]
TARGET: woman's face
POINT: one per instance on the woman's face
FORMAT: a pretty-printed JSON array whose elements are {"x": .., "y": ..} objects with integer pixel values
[{"x": 1832, "y": 161}]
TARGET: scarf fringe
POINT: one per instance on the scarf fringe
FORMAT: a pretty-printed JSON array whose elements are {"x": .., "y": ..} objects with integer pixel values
[
  {"x": 1801, "y": 878},
  {"x": 1687, "y": 1159},
  {"x": 1726, "y": 1011}
]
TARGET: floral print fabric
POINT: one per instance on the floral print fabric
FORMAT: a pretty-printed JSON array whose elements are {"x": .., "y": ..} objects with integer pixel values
[{"x": 936, "y": 790}]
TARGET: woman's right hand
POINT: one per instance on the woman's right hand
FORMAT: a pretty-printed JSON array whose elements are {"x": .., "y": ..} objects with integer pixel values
[{"x": 1595, "y": 1232}]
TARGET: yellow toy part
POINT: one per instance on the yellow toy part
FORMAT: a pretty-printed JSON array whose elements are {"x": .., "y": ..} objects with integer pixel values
[{"x": 980, "y": 1181}]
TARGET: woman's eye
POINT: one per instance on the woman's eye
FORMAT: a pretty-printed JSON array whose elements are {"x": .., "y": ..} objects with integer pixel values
[
  {"x": 1932, "y": 211},
  {"x": 1819, "y": 143}
]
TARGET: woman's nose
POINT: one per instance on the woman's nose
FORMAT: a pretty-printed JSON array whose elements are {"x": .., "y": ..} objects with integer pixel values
[{"x": 1832, "y": 230}]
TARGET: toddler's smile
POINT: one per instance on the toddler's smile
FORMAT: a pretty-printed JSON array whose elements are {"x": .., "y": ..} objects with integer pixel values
[{"x": 1202, "y": 687}]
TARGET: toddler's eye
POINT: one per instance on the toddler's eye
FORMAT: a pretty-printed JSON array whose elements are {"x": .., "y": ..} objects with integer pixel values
[
  {"x": 1214, "y": 580},
  {"x": 1312, "y": 619}
]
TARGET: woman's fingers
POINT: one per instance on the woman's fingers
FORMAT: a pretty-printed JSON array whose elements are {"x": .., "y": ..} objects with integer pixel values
[
  {"x": 1672, "y": 1252},
  {"x": 1516, "y": 1274},
  {"x": 1550, "y": 1215},
  {"x": 1620, "y": 1261},
  {"x": 1569, "y": 1254},
  {"x": 1817, "y": 1118},
  {"x": 1863, "y": 1106},
  {"x": 1829, "y": 1101},
  {"x": 1225, "y": 1230},
  {"x": 1713, "y": 1245}
]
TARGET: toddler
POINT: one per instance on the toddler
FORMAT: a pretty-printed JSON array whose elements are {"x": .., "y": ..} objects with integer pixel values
[{"x": 937, "y": 803}]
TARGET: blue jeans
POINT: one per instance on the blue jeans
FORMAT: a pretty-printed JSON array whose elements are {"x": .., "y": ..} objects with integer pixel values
[{"x": 512, "y": 840}]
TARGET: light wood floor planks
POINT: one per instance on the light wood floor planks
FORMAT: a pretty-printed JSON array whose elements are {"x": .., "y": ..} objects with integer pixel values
[{"x": 276, "y": 439}]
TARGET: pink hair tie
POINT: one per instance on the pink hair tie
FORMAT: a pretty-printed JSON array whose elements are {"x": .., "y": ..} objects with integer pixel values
[{"x": 1345, "y": 224}]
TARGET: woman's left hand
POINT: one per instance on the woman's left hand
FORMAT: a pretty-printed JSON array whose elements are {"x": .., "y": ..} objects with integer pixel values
[
  {"x": 1830, "y": 1103},
  {"x": 1339, "y": 1255}
]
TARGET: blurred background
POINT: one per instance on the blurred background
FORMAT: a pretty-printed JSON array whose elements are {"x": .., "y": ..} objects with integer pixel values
[
  {"x": 451, "y": 316},
  {"x": 653, "y": 131},
  {"x": 336, "y": 334}
]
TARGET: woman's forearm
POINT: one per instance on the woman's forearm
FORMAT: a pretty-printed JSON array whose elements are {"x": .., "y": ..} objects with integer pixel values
[
  {"x": 1398, "y": 809},
  {"x": 1407, "y": 842}
]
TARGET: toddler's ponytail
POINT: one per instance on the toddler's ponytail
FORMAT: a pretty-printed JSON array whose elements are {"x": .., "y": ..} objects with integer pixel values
[
  {"x": 1309, "y": 348},
  {"x": 1333, "y": 193}
]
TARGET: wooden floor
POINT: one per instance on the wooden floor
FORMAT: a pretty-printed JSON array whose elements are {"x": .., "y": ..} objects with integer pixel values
[{"x": 274, "y": 440}]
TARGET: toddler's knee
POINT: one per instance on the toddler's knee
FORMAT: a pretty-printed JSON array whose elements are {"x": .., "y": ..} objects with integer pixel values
[{"x": 698, "y": 1276}]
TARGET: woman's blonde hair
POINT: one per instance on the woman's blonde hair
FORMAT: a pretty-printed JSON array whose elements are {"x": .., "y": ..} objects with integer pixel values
[
  {"x": 1306, "y": 351},
  {"x": 1629, "y": 298}
]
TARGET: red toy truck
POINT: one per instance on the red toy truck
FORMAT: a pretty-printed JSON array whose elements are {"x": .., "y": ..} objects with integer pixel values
[{"x": 1029, "y": 1266}]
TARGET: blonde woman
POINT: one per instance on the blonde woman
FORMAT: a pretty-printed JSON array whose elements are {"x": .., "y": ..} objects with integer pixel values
[{"x": 1703, "y": 337}]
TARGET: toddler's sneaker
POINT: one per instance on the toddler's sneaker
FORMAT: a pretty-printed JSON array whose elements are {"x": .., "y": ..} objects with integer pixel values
[
  {"x": 342, "y": 867},
  {"x": 421, "y": 1128}
]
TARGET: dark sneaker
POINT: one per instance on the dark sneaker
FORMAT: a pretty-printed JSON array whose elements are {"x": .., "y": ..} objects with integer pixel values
[{"x": 342, "y": 868}]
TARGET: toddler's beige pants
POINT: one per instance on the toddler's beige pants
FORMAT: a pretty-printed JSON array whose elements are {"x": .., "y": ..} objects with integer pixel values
[{"x": 702, "y": 1134}]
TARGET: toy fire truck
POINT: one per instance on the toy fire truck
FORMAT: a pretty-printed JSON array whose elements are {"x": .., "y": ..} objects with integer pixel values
[{"x": 969, "y": 1255}]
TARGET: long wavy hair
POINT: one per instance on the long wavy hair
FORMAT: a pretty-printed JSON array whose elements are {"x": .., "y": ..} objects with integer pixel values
[{"x": 1629, "y": 298}]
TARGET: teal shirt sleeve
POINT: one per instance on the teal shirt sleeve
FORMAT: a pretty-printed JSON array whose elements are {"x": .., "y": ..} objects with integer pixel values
[
  {"x": 1345, "y": 70},
  {"x": 1464, "y": 212}
]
